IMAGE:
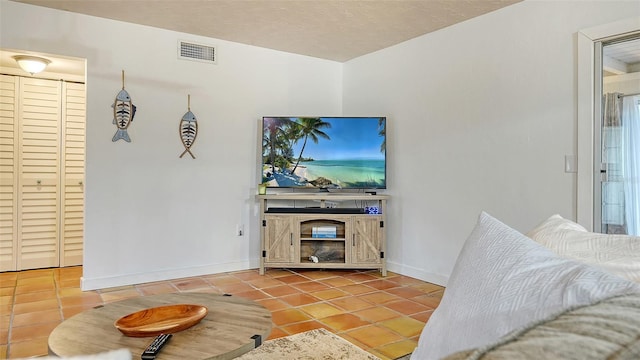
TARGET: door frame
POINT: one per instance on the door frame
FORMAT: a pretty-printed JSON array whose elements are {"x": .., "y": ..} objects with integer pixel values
[{"x": 589, "y": 107}]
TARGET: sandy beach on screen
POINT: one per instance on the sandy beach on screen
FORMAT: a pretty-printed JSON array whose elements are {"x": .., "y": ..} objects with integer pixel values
[
  {"x": 301, "y": 171},
  {"x": 300, "y": 174}
]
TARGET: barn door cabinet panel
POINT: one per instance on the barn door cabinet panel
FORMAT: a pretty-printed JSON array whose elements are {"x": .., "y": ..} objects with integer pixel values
[
  {"x": 367, "y": 240},
  {"x": 278, "y": 237},
  {"x": 305, "y": 235}
]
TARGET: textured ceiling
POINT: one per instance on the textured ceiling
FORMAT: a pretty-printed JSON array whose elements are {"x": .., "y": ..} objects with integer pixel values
[{"x": 337, "y": 30}]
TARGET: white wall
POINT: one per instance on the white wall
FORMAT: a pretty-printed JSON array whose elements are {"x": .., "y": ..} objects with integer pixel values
[
  {"x": 481, "y": 116},
  {"x": 150, "y": 215}
]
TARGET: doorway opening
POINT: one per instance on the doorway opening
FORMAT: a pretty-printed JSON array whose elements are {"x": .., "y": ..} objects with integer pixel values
[
  {"x": 617, "y": 155},
  {"x": 42, "y": 162}
]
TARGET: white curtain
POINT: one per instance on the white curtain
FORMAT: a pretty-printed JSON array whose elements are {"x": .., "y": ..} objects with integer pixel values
[
  {"x": 630, "y": 121},
  {"x": 613, "y": 215}
]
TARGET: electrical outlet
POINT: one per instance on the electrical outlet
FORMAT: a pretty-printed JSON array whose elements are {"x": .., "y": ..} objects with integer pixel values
[{"x": 239, "y": 230}]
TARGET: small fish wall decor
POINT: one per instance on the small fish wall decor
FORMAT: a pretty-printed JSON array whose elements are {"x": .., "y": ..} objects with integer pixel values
[
  {"x": 188, "y": 129},
  {"x": 123, "y": 113}
]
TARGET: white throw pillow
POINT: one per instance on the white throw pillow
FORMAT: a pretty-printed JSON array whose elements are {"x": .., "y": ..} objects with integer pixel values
[
  {"x": 121, "y": 354},
  {"x": 617, "y": 254},
  {"x": 502, "y": 281},
  {"x": 554, "y": 225}
]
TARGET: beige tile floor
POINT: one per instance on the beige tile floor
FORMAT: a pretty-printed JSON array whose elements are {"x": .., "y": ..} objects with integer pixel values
[{"x": 382, "y": 315}]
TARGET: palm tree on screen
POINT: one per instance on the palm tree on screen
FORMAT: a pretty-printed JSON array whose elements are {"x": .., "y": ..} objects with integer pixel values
[
  {"x": 310, "y": 128},
  {"x": 382, "y": 131},
  {"x": 274, "y": 125},
  {"x": 292, "y": 133}
]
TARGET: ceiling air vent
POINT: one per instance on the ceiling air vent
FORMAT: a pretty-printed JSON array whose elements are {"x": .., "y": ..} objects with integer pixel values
[{"x": 197, "y": 52}]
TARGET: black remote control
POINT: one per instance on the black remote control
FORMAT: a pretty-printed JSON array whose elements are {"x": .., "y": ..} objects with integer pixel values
[{"x": 154, "y": 348}]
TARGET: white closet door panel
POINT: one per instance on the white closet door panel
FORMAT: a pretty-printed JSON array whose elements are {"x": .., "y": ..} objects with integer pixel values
[
  {"x": 39, "y": 169},
  {"x": 39, "y": 221},
  {"x": 8, "y": 173},
  {"x": 42, "y": 156},
  {"x": 43, "y": 195},
  {"x": 35, "y": 250},
  {"x": 7, "y": 89},
  {"x": 73, "y": 163},
  {"x": 73, "y": 224},
  {"x": 34, "y": 131},
  {"x": 5, "y": 127}
]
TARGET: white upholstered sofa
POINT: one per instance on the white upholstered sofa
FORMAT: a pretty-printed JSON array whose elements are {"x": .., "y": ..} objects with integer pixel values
[{"x": 559, "y": 293}]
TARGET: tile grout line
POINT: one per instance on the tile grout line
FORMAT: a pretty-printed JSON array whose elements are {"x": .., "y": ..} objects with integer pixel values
[{"x": 13, "y": 304}]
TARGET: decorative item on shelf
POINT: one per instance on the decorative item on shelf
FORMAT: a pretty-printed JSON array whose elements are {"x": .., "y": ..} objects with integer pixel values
[
  {"x": 323, "y": 253},
  {"x": 123, "y": 113},
  {"x": 31, "y": 64},
  {"x": 323, "y": 232},
  {"x": 188, "y": 129},
  {"x": 372, "y": 210},
  {"x": 262, "y": 189}
]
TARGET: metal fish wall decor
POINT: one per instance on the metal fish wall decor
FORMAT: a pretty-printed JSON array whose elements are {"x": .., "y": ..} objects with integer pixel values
[
  {"x": 188, "y": 129},
  {"x": 123, "y": 113}
]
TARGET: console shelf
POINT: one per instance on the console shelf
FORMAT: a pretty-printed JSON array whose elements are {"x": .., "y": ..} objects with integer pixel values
[{"x": 323, "y": 231}]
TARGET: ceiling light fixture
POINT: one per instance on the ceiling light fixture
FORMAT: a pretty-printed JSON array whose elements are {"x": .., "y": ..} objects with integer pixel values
[{"x": 31, "y": 64}]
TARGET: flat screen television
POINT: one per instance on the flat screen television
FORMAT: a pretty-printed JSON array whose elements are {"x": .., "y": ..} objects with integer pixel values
[{"x": 324, "y": 152}]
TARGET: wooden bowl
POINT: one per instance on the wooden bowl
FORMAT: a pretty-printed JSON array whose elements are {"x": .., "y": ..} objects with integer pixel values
[{"x": 161, "y": 320}]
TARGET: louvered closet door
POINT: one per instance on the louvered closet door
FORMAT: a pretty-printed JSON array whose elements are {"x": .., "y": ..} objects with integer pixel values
[
  {"x": 8, "y": 173},
  {"x": 39, "y": 171},
  {"x": 72, "y": 207}
]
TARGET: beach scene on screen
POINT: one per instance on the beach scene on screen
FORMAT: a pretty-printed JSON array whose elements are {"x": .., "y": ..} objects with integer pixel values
[{"x": 324, "y": 152}]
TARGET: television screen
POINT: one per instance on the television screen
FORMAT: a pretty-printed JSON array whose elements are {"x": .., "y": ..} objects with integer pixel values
[{"x": 324, "y": 152}]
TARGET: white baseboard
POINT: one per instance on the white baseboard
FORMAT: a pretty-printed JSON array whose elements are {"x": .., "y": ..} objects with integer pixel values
[
  {"x": 417, "y": 273},
  {"x": 168, "y": 274}
]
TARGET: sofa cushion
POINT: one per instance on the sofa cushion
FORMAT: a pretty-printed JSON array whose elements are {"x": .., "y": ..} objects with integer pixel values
[
  {"x": 607, "y": 330},
  {"x": 502, "y": 281},
  {"x": 617, "y": 254},
  {"x": 554, "y": 225}
]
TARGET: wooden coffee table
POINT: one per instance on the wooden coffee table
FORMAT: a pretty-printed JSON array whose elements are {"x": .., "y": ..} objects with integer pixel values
[{"x": 226, "y": 332}]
